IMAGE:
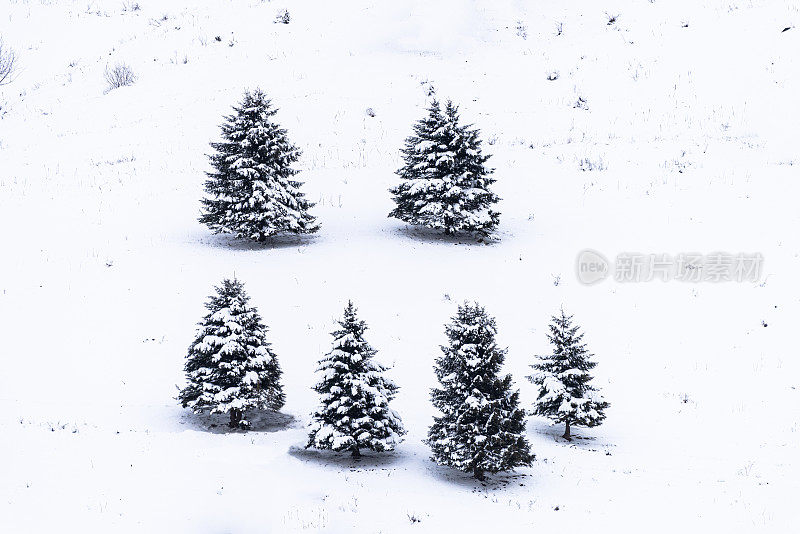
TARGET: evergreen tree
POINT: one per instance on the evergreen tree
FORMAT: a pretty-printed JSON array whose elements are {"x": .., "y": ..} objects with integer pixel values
[
  {"x": 482, "y": 427},
  {"x": 445, "y": 184},
  {"x": 565, "y": 395},
  {"x": 252, "y": 193},
  {"x": 354, "y": 413},
  {"x": 230, "y": 367}
]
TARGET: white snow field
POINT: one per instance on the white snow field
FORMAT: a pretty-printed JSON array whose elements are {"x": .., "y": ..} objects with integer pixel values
[{"x": 687, "y": 142}]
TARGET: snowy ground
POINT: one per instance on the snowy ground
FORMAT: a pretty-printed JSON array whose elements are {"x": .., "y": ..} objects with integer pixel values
[{"x": 692, "y": 119}]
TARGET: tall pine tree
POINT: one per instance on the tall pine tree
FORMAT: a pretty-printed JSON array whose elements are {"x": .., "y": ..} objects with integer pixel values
[
  {"x": 252, "y": 193},
  {"x": 354, "y": 413},
  {"x": 230, "y": 367},
  {"x": 565, "y": 395},
  {"x": 482, "y": 428},
  {"x": 445, "y": 183}
]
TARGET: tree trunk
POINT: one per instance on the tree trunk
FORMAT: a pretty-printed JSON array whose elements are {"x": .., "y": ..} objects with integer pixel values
[
  {"x": 236, "y": 418},
  {"x": 478, "y": 474},
  {"x": 356, "y": 453},
  {"x": 566, "y": 435},
  {"x": 448, "y": 226}
]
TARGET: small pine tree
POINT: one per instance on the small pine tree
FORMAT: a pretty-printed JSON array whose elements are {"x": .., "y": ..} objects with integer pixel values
[
  {"x": 252, "y": 192},
  {"x": 354, "y": 413},
  {"x": 445, "y": 184},
  {"x": 230, "y": 367},
  {"x": 482, "y": 427},
  {"x": 565, "y": 395}
]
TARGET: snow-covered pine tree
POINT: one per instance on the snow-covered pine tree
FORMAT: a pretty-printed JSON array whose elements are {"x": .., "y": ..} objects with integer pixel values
[
  {"x": 482, "y": 428},
  {"x": 444, "y": 182},
  {"x": 230, "y": 367},
  {"x": 565, "y": 395},
  {"x": 354, "y": 412},
  {"x": 252, "y": 193}
]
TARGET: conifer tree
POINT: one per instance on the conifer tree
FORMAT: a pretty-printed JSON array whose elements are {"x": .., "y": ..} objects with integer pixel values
[
  {"x": 230, "y": 367},
  {"x": 354, "y": 413},
  {"x": 444, "y": 182},
  {"x": 252, "y": 193},
  {"x": 565, "y": 395},
  {"x": 482, "y": 428}
]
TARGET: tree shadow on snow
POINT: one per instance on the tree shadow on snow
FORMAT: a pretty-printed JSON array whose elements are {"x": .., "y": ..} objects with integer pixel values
[
  {"x": 228, "y": 242},
  {"x": 367, "y": 460},
  {"x": 555, "y": 433},
  {"x": 430, "y": 235},
  {"x": 468, "y": 481},
  {"x": 260, "y": 421}
]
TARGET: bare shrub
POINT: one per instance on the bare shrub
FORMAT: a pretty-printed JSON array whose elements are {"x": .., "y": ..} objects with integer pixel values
[
  {"x": 119, "y": 76},
  {"x": 581, "y": 103},
  {"x": 8, "y": 63},
  {"x": 522, "y": 29},
  {"x": 590, "y": 164}
]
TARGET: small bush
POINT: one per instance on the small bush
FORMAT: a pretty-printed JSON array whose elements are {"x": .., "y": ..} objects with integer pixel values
[
  {"x": 8, "y": 61},
  {"x": 522, "y": 29},
  {"x": 590, "y": 164},
  {"x": 283, "y": 17},
  {"x": 119, "y": 76}
]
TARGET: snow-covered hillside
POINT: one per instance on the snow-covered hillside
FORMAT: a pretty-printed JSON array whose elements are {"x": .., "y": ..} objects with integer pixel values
[{"x": 684, "y": 141}]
